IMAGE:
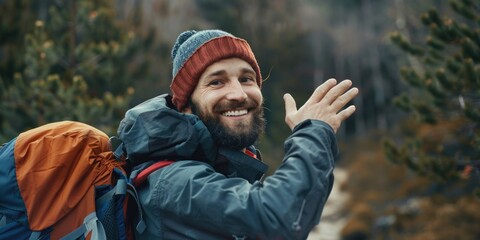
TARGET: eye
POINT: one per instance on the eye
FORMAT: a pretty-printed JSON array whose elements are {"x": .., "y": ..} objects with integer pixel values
[
  {"x": 215, "y": 83},
  {"x": 246, "y": 79}
]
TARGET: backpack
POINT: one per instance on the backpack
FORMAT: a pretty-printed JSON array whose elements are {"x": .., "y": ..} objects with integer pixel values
[
  {"x": 69, "y": 180},
  {"x": 61, "y": 180}
]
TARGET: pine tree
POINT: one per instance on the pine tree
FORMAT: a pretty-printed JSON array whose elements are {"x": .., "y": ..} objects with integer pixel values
[
  {"x": 445, "y": 98},
  {"x": 76, "y": 64}
]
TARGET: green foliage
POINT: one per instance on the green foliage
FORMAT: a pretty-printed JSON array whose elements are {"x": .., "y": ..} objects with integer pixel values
[
  {"x": 76, "y": 64},
  {"x": 12, "y": 26},
  {"x": 37, "y": 102},
  {"x": 428, "y": 205},
  {"x": 445, "y": 97},
  {"x": 403, "y": 43}
]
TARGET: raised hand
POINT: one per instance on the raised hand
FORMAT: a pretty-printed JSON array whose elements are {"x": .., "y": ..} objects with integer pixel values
[{"x": 325, "y": 104}]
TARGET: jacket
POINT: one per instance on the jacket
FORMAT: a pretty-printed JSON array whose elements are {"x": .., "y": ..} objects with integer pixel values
[{"x": 220, "y": 194}]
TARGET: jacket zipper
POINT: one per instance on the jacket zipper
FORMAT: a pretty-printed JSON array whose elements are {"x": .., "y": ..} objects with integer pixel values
[{"x": 296, "y": 225}]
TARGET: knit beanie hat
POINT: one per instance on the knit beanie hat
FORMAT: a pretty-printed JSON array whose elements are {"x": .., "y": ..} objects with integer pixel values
[{"x": 194, "y": 51}]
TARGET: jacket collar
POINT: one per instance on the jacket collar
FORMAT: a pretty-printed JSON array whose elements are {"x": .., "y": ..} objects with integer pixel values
[
  {"x": 234, "y": 163},
  {"x": 155, "y": 130}
]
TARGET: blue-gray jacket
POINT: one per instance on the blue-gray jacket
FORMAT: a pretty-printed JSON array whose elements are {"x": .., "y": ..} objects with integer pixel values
[{"x": 215, "y": 193}]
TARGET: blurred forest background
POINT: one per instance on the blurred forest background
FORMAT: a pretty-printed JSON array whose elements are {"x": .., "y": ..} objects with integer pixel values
[{"x": 411, "y": 151}]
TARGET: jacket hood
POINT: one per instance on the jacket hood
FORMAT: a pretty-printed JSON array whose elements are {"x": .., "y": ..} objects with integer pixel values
[{"x": 155, "y": 130}]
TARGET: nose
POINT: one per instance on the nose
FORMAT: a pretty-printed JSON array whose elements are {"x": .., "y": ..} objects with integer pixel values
[{"x": 236, "y": 92}]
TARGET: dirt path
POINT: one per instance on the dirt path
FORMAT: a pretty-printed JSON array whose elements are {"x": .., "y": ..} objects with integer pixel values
[{"x": 333, "y": 219}]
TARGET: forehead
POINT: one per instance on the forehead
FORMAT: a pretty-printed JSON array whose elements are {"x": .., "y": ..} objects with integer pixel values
[{"x": 228, "y": 65}]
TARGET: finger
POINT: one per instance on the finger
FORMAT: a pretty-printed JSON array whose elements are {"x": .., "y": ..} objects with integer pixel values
[
  {"x": 321, "y": 91},
  {"x": 290, "y": 105},
  {"x": 290, "y": 110},
  {"x": 336, "y": 91},
  {"x": 347, "y": 112},
  {"x": 342, "y": 100}
]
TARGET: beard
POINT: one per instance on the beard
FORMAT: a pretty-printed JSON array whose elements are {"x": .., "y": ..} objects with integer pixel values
[{"x": 241, "y": 135}]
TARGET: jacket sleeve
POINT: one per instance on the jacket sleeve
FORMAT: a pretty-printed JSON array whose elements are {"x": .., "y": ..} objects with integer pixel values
[{"x": 286, "y": 205}]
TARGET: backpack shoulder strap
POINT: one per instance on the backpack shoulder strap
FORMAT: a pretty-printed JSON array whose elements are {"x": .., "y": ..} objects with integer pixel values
[
  {"x": 136, "y": 179},
  {"x": 142, "y": 176},
  {"x": 91, "y": 224}
]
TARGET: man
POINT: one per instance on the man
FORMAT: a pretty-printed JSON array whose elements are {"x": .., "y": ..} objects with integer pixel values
[{"x": 213, "y": 189}]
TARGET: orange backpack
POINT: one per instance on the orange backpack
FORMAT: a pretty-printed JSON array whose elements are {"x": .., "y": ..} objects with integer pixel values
[{"x": 61, "y": 180}]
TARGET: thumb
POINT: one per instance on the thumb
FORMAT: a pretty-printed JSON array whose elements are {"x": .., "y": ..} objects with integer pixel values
[{"x": 290, "y": 105}]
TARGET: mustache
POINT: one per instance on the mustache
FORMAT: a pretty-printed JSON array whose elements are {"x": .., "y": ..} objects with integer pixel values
[{"x": 233, "y": 105}]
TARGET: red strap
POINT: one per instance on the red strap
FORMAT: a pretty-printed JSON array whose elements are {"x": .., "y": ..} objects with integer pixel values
[
  {"x": 142, "y": 176},
  {"x": 251, "y": 154}
]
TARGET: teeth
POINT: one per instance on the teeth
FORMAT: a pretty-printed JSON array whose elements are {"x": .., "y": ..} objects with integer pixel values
[{"x": 235, "y": 113}]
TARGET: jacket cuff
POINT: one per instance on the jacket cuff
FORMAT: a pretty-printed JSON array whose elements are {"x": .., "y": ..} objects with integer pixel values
[{"x": 324, "y": 127}]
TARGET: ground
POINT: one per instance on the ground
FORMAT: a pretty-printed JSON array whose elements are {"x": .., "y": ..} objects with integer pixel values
[{"x": 333, "y": 216}]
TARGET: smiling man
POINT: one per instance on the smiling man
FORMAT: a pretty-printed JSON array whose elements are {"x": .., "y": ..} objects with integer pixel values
[
  {"x": 214, "y": 188},
  {"x": 228, "y": 100}
]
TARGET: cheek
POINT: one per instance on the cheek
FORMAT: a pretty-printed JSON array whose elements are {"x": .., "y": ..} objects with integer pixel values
[
  {"x": 256, "y": 95},
  {"x": 206, "y": 101}
]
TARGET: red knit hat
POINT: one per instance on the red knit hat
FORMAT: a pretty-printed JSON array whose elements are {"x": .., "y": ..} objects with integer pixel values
[{"x": 195, "y": 51}]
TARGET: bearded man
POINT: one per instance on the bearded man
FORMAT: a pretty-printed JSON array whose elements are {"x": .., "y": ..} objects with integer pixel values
[{"x": 213, "y": 186}]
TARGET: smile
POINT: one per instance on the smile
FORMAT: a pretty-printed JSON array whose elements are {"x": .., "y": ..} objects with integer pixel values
[{"x": 235, "y": 113}]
